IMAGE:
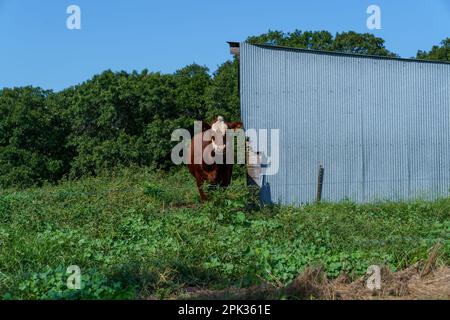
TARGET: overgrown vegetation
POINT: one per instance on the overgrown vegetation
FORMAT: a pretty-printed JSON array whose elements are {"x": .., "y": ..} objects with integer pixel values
[{"x": 136, "y": 233}]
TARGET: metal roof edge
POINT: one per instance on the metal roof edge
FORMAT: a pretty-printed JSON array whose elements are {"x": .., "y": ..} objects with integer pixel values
[{"x": 345, "y": 54}]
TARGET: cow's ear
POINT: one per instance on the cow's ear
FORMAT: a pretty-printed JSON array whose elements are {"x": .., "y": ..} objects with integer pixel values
[{"x": 205, "y": 126}]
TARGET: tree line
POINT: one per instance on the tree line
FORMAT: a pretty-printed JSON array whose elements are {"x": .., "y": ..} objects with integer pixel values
[{"x": 121, "y": 119}]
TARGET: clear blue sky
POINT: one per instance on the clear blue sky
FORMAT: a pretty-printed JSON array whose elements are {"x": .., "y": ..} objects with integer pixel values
[{"x": 37, "y": 49}]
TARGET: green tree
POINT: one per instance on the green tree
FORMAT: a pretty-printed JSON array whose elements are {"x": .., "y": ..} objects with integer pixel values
[
  {"x": 348, "y": 42},
  {"x": 317, "y": 40},
  {"x": 222, "y": 95},
  {"x": 32, "y": 138},
  {"x": 191, "y": 84},
  {"x": 366, "y": 43},
  {"x": 110, "y": 112},
  {"x": 439, "y": 53}
]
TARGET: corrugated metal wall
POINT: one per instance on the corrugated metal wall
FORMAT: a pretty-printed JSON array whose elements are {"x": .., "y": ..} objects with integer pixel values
[{"x": 380, "y": 127}]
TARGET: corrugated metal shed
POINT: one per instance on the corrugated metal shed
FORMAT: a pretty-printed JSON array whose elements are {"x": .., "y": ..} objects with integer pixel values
[{"x": 379, "y": 126}]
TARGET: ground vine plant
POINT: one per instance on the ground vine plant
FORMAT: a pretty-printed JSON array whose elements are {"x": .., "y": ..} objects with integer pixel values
[{"x": 137, "y": 233}]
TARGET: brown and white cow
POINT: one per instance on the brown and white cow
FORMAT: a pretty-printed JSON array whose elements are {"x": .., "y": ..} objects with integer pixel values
[{"x": 213, "y": 137}]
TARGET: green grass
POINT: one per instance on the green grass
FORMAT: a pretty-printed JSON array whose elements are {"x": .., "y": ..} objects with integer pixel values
[{"x": 136, "y": 233}]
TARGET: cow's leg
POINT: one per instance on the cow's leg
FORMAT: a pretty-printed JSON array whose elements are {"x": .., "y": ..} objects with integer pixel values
[
  {"x": 226, "y": 175},
  {"x": 200, "y": 182}
]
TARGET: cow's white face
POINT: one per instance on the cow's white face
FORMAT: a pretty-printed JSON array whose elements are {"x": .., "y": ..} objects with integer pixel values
[{"x": 220, "y": 129}]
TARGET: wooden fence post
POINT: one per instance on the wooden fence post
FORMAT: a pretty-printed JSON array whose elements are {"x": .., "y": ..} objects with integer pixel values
[{"x": 320, "y": 183}]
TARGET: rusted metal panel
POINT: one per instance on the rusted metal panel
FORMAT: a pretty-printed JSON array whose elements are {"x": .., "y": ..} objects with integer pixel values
[{"x": 234, "y": 48}]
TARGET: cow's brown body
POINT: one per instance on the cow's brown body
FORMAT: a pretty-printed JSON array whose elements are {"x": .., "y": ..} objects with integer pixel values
[{"x": 215, "y": 174}]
